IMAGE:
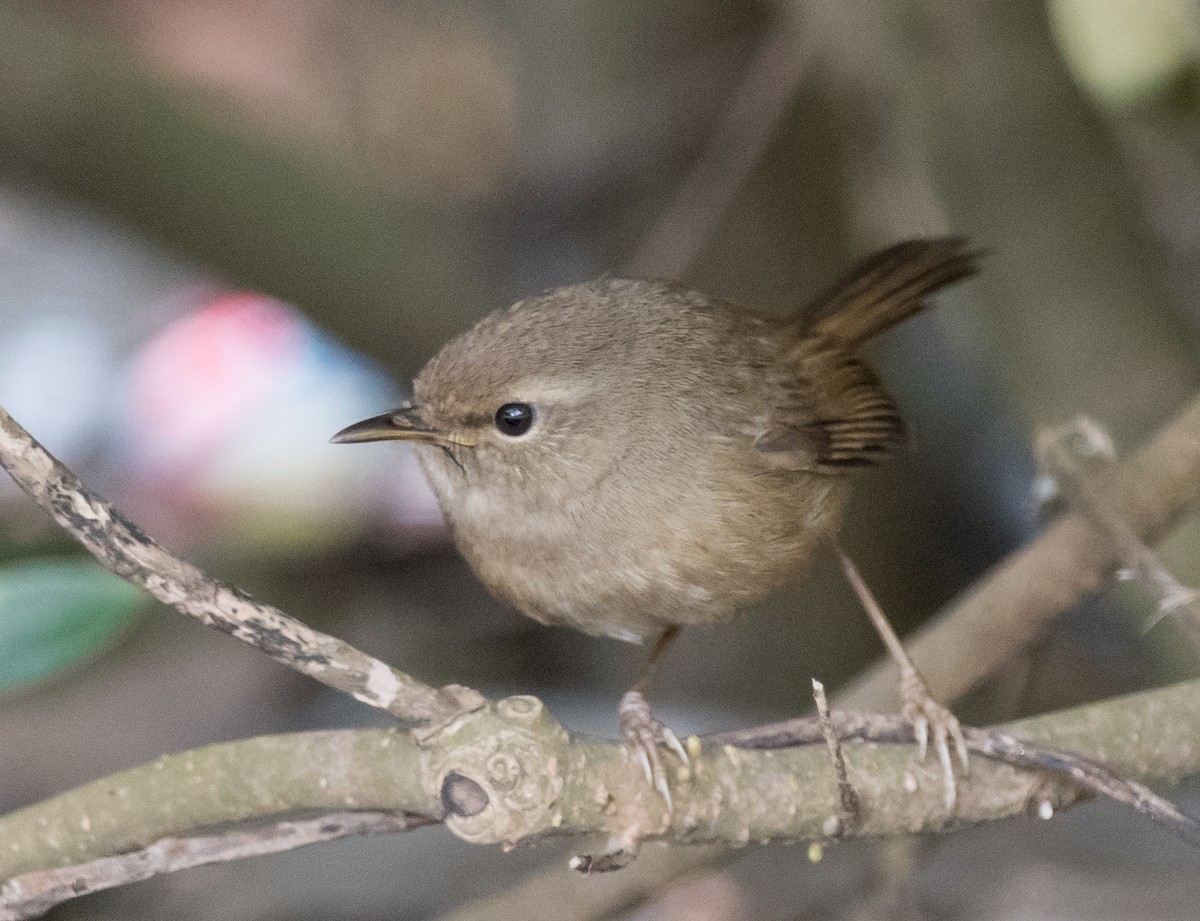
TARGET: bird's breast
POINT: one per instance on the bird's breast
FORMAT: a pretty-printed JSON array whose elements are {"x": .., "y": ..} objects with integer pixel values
[{"x": 627, "y": 561}]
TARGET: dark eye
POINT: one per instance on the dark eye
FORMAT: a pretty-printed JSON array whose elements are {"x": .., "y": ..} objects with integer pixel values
[{"x": 514, "y": 419}]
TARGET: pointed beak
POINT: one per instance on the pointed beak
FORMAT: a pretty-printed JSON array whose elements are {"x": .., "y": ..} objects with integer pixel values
[{"x": 404, "y": 424}]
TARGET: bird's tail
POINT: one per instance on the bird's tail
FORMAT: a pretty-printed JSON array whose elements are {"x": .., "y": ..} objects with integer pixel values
[{"x": 886, "y": 289}]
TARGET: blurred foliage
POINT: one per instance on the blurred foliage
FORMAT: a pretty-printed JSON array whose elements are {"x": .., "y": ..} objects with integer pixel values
[
  {"x": 1125, "y": 53},
  {"x": 56, "y": 612}
]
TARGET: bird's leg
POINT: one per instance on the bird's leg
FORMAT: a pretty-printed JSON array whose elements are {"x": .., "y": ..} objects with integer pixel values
[
  {"x": 918, "y": 705},
  {"x": 641, "y": 732}
]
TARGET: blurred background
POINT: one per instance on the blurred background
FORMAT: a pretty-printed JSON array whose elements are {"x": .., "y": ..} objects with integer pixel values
[{"x": 229, "y": 228}]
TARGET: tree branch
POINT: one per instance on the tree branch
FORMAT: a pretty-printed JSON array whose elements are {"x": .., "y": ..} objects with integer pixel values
[
  {"x": 1021, "y": 596},
  {"x": 33, "y": 894},
  {"x": 508, "y": 772},
  {"x": 254, "y": 780},
  {"x": 123, "y": 549},
  {"x": 1074, "y": 458},
  {"x": 834, "y": 729}
]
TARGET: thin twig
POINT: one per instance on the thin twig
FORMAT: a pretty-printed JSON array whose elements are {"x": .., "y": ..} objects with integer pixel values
[
  {"x": 33, "y": 894},
  {"x": 1089, "y": 774},
  {"x": 122, "y": 548},
  {"x": 846, "y": 795},
  {"x": 1074, "y": 455},
  {"x": 1010, "y": 607}
]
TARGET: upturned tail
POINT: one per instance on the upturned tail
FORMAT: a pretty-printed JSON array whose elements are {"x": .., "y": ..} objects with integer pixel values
[
  {"x": 842, "y": 416},
  {"x": 886, "y": 289}
]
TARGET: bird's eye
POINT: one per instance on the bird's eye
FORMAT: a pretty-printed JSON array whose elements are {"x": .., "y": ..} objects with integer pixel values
[{"x": 514, "y": 419}]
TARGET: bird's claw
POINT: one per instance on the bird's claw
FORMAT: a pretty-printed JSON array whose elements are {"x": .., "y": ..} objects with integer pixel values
[
  {"x": 644, "y": 737},
  {"x": 928, "y": 716}
]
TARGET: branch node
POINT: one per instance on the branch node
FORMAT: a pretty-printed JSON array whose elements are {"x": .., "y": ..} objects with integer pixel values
[
  {"x": 497, "y": 771},
  {"x": 461, "y": 796},
  {"x": 619, "y": 852}
]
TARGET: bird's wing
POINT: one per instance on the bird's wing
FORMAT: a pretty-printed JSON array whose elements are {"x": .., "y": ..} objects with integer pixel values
[{"x": 832, "y": 414}]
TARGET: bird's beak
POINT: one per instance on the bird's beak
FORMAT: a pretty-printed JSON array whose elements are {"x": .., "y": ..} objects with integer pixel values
[{"x": 404, "y": 424}]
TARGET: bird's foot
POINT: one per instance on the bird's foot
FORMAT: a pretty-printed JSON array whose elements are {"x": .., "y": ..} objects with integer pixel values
[
  {"x": 928, "y": 716},
  {"x": 645, "y": 737}
]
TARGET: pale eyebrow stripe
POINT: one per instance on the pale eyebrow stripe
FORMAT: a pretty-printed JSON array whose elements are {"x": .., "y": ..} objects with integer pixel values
[{"x": 569, "y": 390}]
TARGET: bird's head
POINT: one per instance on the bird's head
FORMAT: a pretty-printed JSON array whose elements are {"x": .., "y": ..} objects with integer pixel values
[{"x": 535, "y": 400}]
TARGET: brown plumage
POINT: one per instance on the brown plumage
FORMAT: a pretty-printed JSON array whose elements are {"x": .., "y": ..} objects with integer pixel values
[{"x": 683, "y": 456}]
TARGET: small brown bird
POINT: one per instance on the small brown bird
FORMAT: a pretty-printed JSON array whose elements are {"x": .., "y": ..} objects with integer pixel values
[{"x": 628, "y": 457}]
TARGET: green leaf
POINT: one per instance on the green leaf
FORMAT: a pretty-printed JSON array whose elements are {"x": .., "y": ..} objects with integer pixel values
[{"x": 55, "y": 612}]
